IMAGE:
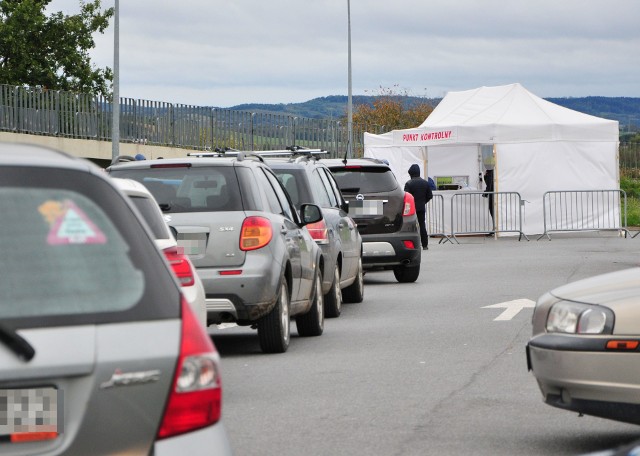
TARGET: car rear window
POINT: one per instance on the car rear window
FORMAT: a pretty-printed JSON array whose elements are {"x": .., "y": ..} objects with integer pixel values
[
  {"x": 149, "y": 211},
  {"x": 189, "y": 188},
  {"x": 365, "y": 179},
  {"x": 68, "y": 257}
]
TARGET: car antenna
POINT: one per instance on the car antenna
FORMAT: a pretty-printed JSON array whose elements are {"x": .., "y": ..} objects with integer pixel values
[{"x": 344, "y": 160}]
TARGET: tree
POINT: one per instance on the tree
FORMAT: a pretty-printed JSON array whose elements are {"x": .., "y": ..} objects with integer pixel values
[
  {"x": 52, "y": 52},
  {"x": 393, "y": 110}
]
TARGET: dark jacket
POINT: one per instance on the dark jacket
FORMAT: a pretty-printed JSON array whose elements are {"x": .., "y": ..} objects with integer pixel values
[{"x": 420, "y": 190}]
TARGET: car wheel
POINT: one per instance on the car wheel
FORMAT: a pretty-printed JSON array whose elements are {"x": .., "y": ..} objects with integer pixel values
[
  {"x": 312, "y": 323},
  {"x": 333, "y": 299},
  {"x": 406, "y": 274},
  {"x": 274, "y": 329},
  {"x": 355, "y": 291}
]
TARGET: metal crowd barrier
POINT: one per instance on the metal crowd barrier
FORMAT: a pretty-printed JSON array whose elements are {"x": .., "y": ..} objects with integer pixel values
[
  {"x": 486, "y": 213},
  {"x": 435, "y": 219},
  {"x": 585, "y": 210}
]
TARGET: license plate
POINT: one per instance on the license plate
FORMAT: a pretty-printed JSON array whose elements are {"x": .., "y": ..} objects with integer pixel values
[
  {"x": 192, "y": 243},
  {"x": 362, "y": 207},
  {"x": 30, "y": 414}
]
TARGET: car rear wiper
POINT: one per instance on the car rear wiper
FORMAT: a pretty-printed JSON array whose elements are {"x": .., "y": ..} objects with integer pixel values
[
  {"x": 16, "y": 343},
  {"x": 350, "y": 189}
]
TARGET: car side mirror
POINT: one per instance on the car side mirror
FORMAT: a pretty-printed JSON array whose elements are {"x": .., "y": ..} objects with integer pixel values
[
  {"x": 310, "y": 213},
  {"x": 345, "y": 206}
]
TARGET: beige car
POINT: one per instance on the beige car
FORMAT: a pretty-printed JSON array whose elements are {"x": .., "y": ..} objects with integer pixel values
[{"x": 585, "y": 347}]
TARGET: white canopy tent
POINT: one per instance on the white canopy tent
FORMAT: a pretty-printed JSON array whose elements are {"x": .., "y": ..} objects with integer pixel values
[{"x": 535, "y": 146}]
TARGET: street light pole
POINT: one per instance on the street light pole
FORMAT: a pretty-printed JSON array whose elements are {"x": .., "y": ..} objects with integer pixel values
[
  {"x": 115, "y": 103},
  {"x": 349, "y": 99}
]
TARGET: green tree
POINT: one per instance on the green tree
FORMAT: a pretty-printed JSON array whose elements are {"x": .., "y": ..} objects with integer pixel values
[
  {"x": 391, "y": 110},
  {"x": 52, "y": 51}
]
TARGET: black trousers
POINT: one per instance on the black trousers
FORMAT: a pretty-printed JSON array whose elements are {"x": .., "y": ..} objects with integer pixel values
[{"x": 424, "y": 236}]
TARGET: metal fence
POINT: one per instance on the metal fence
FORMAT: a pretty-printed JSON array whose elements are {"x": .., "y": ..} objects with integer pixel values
[
  {"x": 435, "y": 214},
  {"x": 59, "y": 113},
  {"x": 486, "y": 213},
  {"x": 584, "y": 210}
]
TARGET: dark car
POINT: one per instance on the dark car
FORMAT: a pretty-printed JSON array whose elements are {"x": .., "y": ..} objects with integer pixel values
[
  {"x": 258, "y": 263},
  {"x": 308, "y": 180},
  {"x": 385, "y": 215},
  {"x": 100, "y": 352}
]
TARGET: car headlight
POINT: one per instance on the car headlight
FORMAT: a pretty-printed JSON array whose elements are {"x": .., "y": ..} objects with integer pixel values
[{"x": 575, "y": 318}]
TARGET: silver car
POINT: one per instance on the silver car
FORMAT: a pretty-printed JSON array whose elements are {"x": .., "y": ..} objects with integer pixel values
[
  {"x": 256, "y": 259},
  {"x": 99, "y": 351},
  {"x": 585, "y": 346}
]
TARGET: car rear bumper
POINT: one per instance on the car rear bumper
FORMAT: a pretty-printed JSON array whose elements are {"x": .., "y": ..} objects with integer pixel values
[
  {"x": 389, "y": 250},
  {"x": 243, "y": 294},
  {"x": 600, "y": 383},
  {"x": 206, "y": 441}
]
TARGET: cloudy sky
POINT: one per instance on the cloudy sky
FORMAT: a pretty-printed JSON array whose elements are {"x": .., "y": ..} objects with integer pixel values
[{"x": 228, "y": 52}]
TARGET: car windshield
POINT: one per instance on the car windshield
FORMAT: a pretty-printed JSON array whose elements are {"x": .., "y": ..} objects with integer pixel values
[
  {"x": 189, "y": 189},
  {"x": 360, "y": 179}
]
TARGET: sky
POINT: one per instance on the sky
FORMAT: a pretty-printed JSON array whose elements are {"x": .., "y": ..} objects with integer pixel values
[{"x": 228, "y": 52}]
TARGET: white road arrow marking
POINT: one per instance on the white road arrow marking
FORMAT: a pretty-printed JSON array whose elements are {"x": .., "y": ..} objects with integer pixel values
[{"x": 511, "y": 308}]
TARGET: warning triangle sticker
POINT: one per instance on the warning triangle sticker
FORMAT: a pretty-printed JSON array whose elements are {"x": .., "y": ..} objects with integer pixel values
[{"x": 73, "y": 226}]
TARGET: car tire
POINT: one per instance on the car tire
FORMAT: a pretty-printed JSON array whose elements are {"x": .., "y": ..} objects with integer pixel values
[
  {"x": 274, "y": 329},
  {"x": 333, "y": 299},
  {"x": 406, "y": 274},
  {"x": 312, "y": 323},
  {"x": 355, "y": 292}
]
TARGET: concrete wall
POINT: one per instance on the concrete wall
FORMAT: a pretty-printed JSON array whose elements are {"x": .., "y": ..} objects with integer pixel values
[{"x": 96, "y": 150}]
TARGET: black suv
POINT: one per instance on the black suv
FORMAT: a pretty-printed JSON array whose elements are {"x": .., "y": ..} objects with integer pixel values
[
  {"x": 308, "y": 180},
  {"x": 258, "y": 263},
  {"x": 385, "y": 214}
]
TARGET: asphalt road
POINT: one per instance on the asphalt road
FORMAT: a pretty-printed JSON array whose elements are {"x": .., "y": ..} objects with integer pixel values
[{"x": 423, "y": 368}]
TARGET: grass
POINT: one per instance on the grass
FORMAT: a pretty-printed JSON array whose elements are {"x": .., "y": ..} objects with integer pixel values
[{"x": 630, "y": 183}]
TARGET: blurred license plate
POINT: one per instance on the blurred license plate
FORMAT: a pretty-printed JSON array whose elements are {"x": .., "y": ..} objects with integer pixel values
[
  {"x": 30, "y": 414},
  {"x": 193, "y": 243},
  {"x": 362, "y": 207}
]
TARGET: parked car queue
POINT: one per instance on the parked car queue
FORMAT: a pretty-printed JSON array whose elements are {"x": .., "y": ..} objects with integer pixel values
[{"x": 143, "y": 263}]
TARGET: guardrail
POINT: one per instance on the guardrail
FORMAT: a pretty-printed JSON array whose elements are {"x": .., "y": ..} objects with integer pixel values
[
  {"x": 584, "y": 210},
  {"x": 486, "y": 213},
  {"x": 40, "y": 111}
]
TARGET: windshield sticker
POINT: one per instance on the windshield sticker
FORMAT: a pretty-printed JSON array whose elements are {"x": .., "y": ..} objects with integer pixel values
[{"x": 69, "y": 224}]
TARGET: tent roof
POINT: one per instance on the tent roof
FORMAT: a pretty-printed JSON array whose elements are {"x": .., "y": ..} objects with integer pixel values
[{"x": 504, "y": 114}]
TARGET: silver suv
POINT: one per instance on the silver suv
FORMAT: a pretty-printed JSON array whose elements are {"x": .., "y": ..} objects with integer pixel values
[{"x": 257, "y": 261}]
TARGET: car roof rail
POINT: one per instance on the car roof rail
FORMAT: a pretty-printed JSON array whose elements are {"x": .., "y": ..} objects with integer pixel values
[{"x": 217, "y": 152}]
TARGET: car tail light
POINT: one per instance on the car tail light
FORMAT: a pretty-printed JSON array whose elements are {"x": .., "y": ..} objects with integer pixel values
[
  {"x": 181, "y": 266},
  {"x": 409, "y": 205},
  {"x": 256, "y": 232},
  {"x": 195, "y": 400},
  {"x": 319, "y": 232},
  {"x": 409, "y": 244}
]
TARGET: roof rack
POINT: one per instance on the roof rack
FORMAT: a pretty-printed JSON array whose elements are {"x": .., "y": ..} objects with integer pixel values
[{"x": 217, "y": 152}]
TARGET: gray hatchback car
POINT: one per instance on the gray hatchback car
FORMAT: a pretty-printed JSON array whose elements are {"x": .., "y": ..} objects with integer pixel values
[
  {"x": 258, "y": 263},
  {"x": 99, "y": 351}
]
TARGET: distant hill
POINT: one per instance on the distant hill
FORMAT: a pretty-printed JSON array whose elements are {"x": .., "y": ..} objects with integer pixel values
[{"x": 625, "y": 110}]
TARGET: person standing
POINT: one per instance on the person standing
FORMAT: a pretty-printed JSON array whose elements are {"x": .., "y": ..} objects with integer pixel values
[{"x": 422, "y": 194}]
